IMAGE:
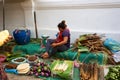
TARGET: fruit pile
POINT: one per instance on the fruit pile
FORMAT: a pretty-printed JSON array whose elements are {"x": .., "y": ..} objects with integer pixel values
[
  {"x": 40, "y": 69},
  {"x": 3, "y": 36}
]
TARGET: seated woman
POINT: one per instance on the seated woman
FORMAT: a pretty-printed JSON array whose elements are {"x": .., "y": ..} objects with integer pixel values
[{"x": 60, "y": 44}]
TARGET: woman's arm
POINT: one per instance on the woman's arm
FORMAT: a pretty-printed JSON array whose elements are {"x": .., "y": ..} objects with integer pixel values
[{"x": 65, "y": 39}]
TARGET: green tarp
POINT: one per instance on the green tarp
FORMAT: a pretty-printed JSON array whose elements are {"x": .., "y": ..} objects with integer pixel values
[
  {"x": 87, "y": 57},
  {"x": 69, "y": 55},
  {"x": 33, "y": 48},
  {"x": 30, "y": 48}
]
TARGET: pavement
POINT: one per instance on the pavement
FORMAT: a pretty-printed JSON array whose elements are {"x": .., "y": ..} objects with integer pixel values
[{"x": 21, "y": 77}]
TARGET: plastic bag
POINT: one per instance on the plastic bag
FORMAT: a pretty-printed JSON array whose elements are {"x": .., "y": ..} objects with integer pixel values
[{"x": 112, "y": 45}]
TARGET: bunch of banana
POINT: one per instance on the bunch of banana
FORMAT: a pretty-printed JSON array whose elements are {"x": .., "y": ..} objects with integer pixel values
[{"x": 3, "y": 36}]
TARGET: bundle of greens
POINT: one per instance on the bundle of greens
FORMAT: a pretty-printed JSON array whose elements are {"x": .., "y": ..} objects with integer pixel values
[
  {"x": 63, "y": 69},
  {"x": 114, "y": 73}
]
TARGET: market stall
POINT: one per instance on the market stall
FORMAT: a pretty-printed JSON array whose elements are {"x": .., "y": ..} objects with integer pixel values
[
  {"x": 90, "y": 57},
  {"x": 87, "y": 56}
]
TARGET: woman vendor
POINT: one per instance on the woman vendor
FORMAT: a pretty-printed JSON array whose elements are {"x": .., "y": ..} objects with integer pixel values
[{"x": 61, "y": 43}]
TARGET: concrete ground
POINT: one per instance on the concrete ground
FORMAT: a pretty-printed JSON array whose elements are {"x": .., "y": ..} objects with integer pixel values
[{"x": 21, "y": 77}]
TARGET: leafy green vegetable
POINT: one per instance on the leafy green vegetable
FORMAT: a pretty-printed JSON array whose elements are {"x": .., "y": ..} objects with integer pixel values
[{"x": 114, "y": 73}]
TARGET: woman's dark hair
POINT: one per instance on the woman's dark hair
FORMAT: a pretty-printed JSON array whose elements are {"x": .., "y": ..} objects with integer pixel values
[{"x": 62, "y": 25}]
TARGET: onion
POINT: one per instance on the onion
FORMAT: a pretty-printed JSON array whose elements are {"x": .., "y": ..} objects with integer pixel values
[
  {"x": 42, "y": 74},
  {"x": 38, "y": 64},
  {"x": 36, "y": 74}
]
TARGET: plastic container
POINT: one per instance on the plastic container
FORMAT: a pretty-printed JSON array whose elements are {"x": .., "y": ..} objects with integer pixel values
[
  {"x": 11, "y": 71},
  {"x": 22, "y": 36},
  {"x": 30, "y": 61},
  {"x": 19, "y": 60}
]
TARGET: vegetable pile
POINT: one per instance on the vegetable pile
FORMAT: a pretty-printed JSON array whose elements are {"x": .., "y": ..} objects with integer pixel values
[
  {"x": 40, "y": 69},
  {"x": 91, "y": 41},
  {"x": 63, "y": 69},
  {"x": 114, "y": 73},
  {"x": 91, "y": 72}
]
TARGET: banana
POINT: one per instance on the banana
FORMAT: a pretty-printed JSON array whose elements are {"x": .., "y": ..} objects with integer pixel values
[{"x": 3, "y": 36}]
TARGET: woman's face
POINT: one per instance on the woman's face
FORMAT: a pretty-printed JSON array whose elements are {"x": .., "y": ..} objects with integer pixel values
[{"x": 60, "y": 29}]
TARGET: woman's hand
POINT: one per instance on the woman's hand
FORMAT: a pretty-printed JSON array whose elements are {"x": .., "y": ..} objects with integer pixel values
[{"x": 54, "y": 44}]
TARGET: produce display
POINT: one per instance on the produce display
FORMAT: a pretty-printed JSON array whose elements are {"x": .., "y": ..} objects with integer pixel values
[
  {"x": 91, "y": 72},
  {"x": 114, "y": 73},
  {"x": 90, "y": 44},
  {"x": 63, "y": 69},
  {"x": 40, "y": 69},
  {"x": 11, "y": 66},
  {"x": 91, "y": 41},
  {"x": 12, "y": 56},
  {"x": 19, "y": 60},
  {"x": 31, "y": 59},
  {"x": 3, "y": 36},
  {"x": 23, "y": 68}
]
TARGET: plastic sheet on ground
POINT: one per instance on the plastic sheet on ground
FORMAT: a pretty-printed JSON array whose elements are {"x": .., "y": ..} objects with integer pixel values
[
  {"x": 69, "y": 54},
  {"x": 87, "y": 57},
  {"x": 30, "y": 48}
]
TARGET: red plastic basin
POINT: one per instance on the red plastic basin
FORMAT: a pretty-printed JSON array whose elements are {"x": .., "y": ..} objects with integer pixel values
[{"x": 2, "y": 58}]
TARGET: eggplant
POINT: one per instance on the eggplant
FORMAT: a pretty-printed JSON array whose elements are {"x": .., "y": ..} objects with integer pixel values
[
  {"x": 47, "y": 74},
  {"x": 34, "y": 68}
]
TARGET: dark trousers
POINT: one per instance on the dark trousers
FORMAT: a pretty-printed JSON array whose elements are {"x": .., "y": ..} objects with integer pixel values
[{"x": 52, "y": 50}]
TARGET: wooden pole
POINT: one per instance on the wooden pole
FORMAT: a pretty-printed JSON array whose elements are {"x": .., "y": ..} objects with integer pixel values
[
  {"x": 35, "y": 22},
  {"x": 34, "y": 17},
  {"x": 3, "y": 15}
]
